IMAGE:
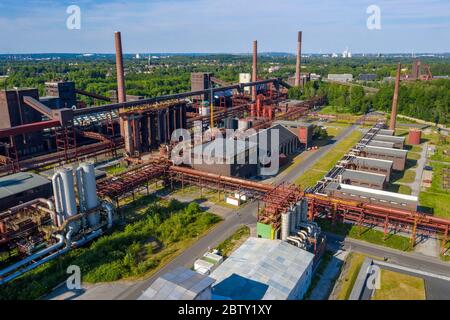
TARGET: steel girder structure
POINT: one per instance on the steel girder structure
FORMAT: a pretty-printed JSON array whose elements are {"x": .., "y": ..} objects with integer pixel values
[{"x": 386, "y": 218}]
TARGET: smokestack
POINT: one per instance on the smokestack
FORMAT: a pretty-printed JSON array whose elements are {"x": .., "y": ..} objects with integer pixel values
[
  {"x": 121, "y": 95},
  {"x": 255, "y": 67},
  {"x": 299, "y": 59},
  {"x": 119, "y": 69},
  {"x": 395, "y": 99}
]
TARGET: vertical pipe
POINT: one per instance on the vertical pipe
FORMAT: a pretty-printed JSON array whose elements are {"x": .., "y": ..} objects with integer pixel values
[
  {"x": 255, "y": 68},
  {"x": 395, "y": 99},
  {"x": 121, "y": 95},
  {"x": 299, "y": 58}
]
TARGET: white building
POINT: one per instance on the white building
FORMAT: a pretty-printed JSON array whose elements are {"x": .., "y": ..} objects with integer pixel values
[{"x": 263, "y": 269}]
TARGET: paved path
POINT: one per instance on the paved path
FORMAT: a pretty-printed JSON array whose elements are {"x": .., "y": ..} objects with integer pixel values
[{"x": 415, "y": 186}]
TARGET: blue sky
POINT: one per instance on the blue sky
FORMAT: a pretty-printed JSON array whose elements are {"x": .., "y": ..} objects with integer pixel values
[{"x": 30, "y": 26}]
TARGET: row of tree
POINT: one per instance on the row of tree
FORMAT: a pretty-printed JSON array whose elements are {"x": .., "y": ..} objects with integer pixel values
[{"x": 426, "y": 100}]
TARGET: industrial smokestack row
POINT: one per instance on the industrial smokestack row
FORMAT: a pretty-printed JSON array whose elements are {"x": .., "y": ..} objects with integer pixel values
[
  {"x": 395, "y": 99},
  {"x": 299, "y": 59}
]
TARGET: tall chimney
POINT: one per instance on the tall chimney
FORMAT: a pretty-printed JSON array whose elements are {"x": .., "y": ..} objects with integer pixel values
[
  {"x": 395, "y": 99},
  {"x": 299, "y": 59},
  {"x": 255, "y": 68},
  {"x": 121, "y": 95},
  {"x": 119, "y": 69}
]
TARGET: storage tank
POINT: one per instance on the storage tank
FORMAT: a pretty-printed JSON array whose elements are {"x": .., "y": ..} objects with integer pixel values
[
  {"x": 205, "y": 110},
  {"x": 64, "y": 193},
  {"x": 414, "y": 137},
  {"x": 243, "y": 124},
  {"x": 285, "y": 225},
  {"x": 87, "y": 191}
]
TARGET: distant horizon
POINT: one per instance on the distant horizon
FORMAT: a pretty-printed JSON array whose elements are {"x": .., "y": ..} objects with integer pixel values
[{"x": 229, "y": 53}]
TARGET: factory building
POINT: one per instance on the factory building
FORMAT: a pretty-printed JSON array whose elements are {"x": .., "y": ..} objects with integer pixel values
[
  {"x": 304, "y": 131},
  {"x": 372, "y": 196},
  {"x": 179, "y": 284},
  {"x": 201, "y": 81},
  {"x": 263, "y": 269},
  {"x": 341, "y": 77},
  {"x": 227, "y": 157},
  {"x": 363, "y": 179},
  {"x": 14, "y": 113},
  {"x": 397, "y": 156},
  {"x": 373, "y": 165},
  {"x": 398, "y": 142},
  {"x": 22, "y": 187},
  {"x": 386, "y": 132}
]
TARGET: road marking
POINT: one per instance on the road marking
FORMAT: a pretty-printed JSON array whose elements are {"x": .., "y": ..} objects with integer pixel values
[{"x": 424, "y": 273}]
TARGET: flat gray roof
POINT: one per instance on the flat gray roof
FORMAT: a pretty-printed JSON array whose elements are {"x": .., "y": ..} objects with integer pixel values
[
  {"x": 386, "y": 132},
  {"x": 385, "y": 144},
  {"x": 363, "y": 176},
  {"x": 293, "y": 124},
  {"x": 387, "y": 151},
  {"x": 373, "y": 193},
  {"x": 261, "y": 269},
  {"x": 20, "y": 182},
  {"x": 179, "y": 284},
  {"x": 381, "y": 137},
  {"x": 372, "y": 162},
  {"x": 223, "y": 148}
]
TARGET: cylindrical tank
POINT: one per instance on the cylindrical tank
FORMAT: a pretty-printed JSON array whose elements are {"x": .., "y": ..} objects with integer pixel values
[
  {"x": 285, "y": 225},
  {"x": 87, "y": 191},
  {"x": 293, "y": 223},
  {"x": 205, "y": 110},
  {"x": 64, "y": 192},
  {"x": 414, "y": 137},
  {"x": 243, "y": 124}
]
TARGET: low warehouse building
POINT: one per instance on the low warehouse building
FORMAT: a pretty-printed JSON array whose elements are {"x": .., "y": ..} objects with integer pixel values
[
  {"x": 399, "y": 142},
  {"x": 23, "y": 187},
  {"x": 179, "y": 284},
  {"x": 220, "y": 157},
  {"x": 372, "y": 165},
  {"x": 384, "y": 144},
  {"x": 372, "y": 196},
  {"x": 386, "y": 132},
  {"x": 397, "y": 156},
  {"x": 364, "y": 179},
  {"x": 263, "y": 269}
]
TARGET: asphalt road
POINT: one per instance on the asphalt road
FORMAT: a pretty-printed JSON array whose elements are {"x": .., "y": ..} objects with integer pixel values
[
  {"x": 244, "y": 216},
  {"x": 436, "y": 288}
]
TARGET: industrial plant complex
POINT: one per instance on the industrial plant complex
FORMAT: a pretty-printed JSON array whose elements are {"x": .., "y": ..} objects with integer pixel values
[{"x": 56, "y": 195}]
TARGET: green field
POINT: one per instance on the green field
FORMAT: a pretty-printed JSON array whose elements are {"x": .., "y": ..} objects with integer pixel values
[
  {"x": 436, "y": 200},
  {"x": 398, "y": 188},
  {"x": 324, "y": 164},
  {"x": 397, "y": 286},
  {"x": 366, "y": 234}
]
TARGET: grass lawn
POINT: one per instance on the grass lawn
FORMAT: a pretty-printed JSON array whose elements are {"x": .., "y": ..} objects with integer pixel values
[
  {"x": 435, "y": 203},
  {"x": 415, "y": 149},
  {"x": 408, "y": 176},
  {"x": 366, "y": 234},
  {"x": 439, "y": 154},
  {"x": 397, "y": 286},
  {"x": 347, "y": 280},
  {"x": 227, "y": 247},
  {"x": 324, "y": 164},
  {"x": 398, "y": 188},
  {"x": 413, "y": 156}
]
